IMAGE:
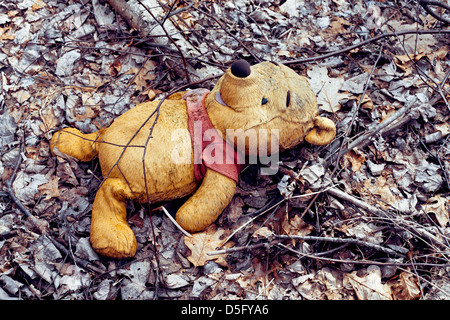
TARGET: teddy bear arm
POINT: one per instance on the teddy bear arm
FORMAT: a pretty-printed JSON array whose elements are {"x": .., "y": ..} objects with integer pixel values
[
  {"x": 207, "y": 203},
  {"x": 322, "y": 133},
  {"x": 72, "y": 142}
]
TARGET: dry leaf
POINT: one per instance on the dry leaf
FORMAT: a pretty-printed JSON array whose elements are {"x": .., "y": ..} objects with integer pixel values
[
  {"x": 50, "y": 188},
  {"x": 326, "y": 88},
  {"x": 367, "y": 102},
  {"x": 363, "y": 231},
  {"x": 151, "y": 93},
  {"x": 337, "y": 26},
  {"x": 49, "y": 120},
  {"x": 21, "y": 95},
  {"x": 296, "y": 226},
  {"x": 38, "y": 4},
  {"x": 64, "y": 171},
  {"x": 310, "y": 287},
  {"x": 114, "y": 68},
  {"x": 406, "y": 287},
  {"x": 89, "y": 113},
  {"x": 143, "y": 74},
  {"x": 257, "y": 279},
  {"x": 203, "y": 242},
  {"x": 382, "y": 188},
  {"x": 356, "y": 158},
  {"x": 263, "y": 233},
  {"x": 406, "y": 62},
  {"x": 5, "y": 34},
  {"x": 369, "y": 286},
  {"x": 438, "y": 205}
]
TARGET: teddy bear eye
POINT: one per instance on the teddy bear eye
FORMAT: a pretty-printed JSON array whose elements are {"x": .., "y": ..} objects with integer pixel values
[
  {"x": 288, "y": 98},
  {"x": 264, "y": 101}
]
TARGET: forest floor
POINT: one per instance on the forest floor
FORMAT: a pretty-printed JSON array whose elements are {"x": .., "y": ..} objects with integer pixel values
[{"x": 366, "y": 217}]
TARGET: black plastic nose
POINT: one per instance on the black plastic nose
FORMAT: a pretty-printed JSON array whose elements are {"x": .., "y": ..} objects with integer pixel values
[{"x": 240, "y": 68}]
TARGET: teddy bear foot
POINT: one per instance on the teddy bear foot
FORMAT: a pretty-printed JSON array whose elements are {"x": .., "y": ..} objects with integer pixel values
[
  {"x": 111, "y": 235},
  {"x": 116, "y": 242}
]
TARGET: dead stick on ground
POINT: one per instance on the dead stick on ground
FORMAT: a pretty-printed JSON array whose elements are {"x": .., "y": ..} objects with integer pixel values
[
  {"x": 426, "y": 5},
  {"x": 40, "y": 224},
  {"x": 355, "y": 110},
  {"x": 381, "y": 213},
  {"x": 398, "y": 253},
  {"x": 382, "y": 128},
  {"x": 187, "y": 234},
  {"x": 10, "y": 191},
  {"x": 363, "y": 43},
  {"x": 270, "y": 208}
]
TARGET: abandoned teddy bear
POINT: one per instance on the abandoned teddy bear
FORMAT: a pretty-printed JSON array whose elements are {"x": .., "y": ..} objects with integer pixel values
[{"x": 255, "y": 110}]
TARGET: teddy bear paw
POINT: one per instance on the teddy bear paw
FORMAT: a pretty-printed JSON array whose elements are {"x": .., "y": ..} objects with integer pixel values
[{"x": 115, "y": 241}]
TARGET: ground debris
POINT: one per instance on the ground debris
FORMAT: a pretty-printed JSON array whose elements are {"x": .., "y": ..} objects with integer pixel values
[{"x": 83, "y": 64}]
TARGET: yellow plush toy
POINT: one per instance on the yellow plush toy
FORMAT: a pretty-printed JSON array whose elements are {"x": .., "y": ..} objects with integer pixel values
[{"x": 195, "y": 144}]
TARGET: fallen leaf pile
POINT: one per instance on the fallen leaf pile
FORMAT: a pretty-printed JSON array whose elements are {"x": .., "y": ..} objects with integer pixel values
[{"x": 367, "y": 222}]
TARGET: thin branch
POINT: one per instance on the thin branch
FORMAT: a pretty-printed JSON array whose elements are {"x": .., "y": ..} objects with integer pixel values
[
  {"x": 355, "y": 112},
  {"x": 365, "y": 140},
  {"x": 39, "y": 224},
  {"x": 398, "y": 253},
  {"x": 403, "y": 223},
  {"x": 168, "y": 36},
  {"x": 384, "y": 128},
  {"x": 187, "y": 234},
  {"x": 9, "y": 188},
  {"x": 426, "y": 6},
  {"x": 363, "y": 43},
  {"x": 242, "y": 248},
  {"x": 362, "y": 262}
]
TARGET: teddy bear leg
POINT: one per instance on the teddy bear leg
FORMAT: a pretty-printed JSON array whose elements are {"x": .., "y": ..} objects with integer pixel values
[
  {"x": 110, "y": 233},
  {"x": 207, "y": 203}
]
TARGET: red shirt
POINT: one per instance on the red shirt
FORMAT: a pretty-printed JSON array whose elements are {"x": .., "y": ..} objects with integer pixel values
[{"x": 210, "y": 149}]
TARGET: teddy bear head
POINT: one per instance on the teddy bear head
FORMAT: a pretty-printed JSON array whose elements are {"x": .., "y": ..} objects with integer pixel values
[{"x": 265, "y": 102}]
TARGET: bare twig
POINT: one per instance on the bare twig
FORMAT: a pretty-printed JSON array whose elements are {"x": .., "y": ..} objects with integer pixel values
[
  {"x": 361, "y": 262},
  {"x": 399, "y": 252},
  {"x": 387, "y": 127},
  {"x": 242, "y": 248},
  {"x": 168, "y": 35},
  {"x": 187, "y": 234},
  {"x": 365, "y": 140},
  {"x": 9, "y": 188},
  {"x": 41, "y": 225},
  {"x": 355, "y": 112},
  {"x": 426, "y": 6},
  {"x": 401, "y": 222},
  {"x": 363, "y": 43},
  {"x": 359, "y": 203}
]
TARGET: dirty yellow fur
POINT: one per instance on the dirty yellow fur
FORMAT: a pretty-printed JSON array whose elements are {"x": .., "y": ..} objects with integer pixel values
[{"x": 156, "y": 176}]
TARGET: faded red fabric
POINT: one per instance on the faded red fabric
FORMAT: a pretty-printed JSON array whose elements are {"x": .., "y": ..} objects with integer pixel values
[{"x": 210, "y": 150}]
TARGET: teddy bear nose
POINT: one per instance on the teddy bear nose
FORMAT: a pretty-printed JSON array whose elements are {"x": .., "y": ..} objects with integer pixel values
[{"x": 240, "y": 69}]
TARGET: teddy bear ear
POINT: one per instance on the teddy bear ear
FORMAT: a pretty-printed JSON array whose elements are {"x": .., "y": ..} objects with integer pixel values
[
  {"x": 322, "y": 133},
  {"x": 240, "y": 69}
]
